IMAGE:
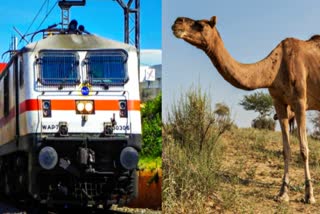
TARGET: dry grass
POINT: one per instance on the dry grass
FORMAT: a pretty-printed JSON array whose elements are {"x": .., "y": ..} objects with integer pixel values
[{"x": 242, "y": 174}]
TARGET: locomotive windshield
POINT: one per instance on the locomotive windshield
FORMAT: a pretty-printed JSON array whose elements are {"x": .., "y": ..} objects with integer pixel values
[
  {"x": 107, "y": 67},
  {"x": 58, "y": 68}
]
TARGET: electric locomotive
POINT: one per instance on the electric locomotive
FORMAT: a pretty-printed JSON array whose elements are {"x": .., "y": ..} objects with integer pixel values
[{"x": 70, "y": 126}]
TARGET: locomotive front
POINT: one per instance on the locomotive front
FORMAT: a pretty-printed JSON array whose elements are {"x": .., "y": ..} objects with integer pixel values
[{"x": 80, "y": 119}]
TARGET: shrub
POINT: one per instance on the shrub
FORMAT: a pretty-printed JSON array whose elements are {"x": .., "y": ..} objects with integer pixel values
[
  {"x": 192, "y": 122},
  {"x": 191, "y": 153},
  {"x": 222, "y": 110},
  {"x": 315, "y": 120},
  {"x": 188, "y": 178},
  {"x": 264, "y": 123},
  {"x": 151, "y": 128}
]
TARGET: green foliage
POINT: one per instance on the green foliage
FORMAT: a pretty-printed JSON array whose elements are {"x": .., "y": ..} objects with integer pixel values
[
  {"x": 151, "y": 128},
  {"x": 188, "y": 178},
  {"x": 264, "y": 123},
  {"x": 315, "y": 120},
  {"x": 242, "y": 175},
  {"x": 192, "y": 153},
  {"x": 259, "y": 102},
  {"x": 222, "y": 110},
  {"x": 262, "y": 103},
  {"x": 193, "y": 123},
  {"x": 150, "y": 163}
]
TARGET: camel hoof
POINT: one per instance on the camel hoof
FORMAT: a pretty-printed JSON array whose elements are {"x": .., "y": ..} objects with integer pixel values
[
  {"x": 282, "y": 198},
  {"x": 310, "y": 200}
]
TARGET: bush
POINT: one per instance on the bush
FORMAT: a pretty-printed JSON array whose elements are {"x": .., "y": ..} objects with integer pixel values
[
  {"x": 315, "y": 120},
  {"x": 192, "y": 122},
  {"x": 191, "y": 153},
  {"x": 151, "y": 128},
  {"x": 264, "y": 123},
  {"x": 188, "y": 178}
]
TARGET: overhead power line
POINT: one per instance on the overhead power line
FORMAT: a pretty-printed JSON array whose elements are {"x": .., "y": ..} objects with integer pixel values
[
  {"x": 46, "y": 16},
  {"x": 34, "y": 19}
]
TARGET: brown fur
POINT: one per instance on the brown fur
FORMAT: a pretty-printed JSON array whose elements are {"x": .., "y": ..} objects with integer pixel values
[
  {"x": 291, "y": 72},
  {"x": 314, "y": 37},
  {"x": 291, "y": 122}
]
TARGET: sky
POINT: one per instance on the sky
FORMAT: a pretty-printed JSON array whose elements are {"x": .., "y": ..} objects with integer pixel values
[
  {"x": 250, "y": 29},
  {"x": 101, "y": 17}
]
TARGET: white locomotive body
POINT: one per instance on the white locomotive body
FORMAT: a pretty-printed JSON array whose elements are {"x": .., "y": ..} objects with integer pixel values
[{"x": 70, "y": 126}]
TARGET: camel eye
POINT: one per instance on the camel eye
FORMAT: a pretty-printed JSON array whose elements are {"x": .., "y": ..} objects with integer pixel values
[{"x": 197, "y": 26}]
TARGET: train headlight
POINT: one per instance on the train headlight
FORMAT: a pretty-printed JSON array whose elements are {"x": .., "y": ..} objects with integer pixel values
[
  {"x": 80, "y": 106},
  {"x": 84, "y": 107},
  {"x": 129, "y": 158},
  {"x": 48, "y": 157},
  {"x": 89, "y": 106}
]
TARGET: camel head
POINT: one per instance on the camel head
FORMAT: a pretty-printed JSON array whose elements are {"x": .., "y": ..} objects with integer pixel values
[{"x": 195, "y": 32}]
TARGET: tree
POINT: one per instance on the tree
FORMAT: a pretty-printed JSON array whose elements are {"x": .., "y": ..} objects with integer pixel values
[
  {"x": 259, "y": 102},
  {"x": 222, "y": 110},
  {"x": 262, "y": 103}
]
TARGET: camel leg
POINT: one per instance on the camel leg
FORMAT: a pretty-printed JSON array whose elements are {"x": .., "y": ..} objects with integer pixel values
[
  {"x": 301, "y": 125},
  {"x": 284, "y": 124},
  {"x": 291, "y": 125}
]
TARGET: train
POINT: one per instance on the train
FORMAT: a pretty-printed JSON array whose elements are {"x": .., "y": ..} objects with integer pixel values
[{"x": 70, "y": 123}]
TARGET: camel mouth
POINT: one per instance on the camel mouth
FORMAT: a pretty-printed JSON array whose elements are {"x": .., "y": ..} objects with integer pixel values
[
  {"x": 178, "y": 32},
  {"x": 178, "y": 27}
]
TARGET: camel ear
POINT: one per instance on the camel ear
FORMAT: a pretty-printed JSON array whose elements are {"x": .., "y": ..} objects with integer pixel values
[{"x": 213, "y": 21}]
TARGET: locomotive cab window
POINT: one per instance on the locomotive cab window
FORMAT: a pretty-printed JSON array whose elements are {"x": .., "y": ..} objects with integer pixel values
[
  {"x": 58, "y": 68},
  {"x": 107, "y": 67}
]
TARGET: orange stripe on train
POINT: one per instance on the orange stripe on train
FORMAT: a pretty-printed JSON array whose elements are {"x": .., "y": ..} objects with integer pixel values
[
  {"x": 100, "y": 105},
  {"x": 65, "y": 105}
]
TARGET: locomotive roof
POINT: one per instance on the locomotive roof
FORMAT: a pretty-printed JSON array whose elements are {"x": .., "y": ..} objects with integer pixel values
[{"x": 76, "y": 42}]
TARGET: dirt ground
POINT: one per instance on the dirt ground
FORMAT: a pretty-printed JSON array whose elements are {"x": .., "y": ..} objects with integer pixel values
[{"x": 252, "y": 172}]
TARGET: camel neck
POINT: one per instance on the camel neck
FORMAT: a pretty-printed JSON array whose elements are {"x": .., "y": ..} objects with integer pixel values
[{"x": 244, "y": 76}]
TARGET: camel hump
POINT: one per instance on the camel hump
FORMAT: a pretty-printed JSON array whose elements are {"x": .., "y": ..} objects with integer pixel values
[{"x": 314, "y": 37}]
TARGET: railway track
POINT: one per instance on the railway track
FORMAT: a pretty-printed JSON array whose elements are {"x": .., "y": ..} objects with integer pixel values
[
  {"x": 12, "y": 207},
  {"x": 9, "y": 206}
]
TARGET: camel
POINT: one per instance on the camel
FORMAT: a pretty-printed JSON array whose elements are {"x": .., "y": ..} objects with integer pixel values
[
  {"x": 291, "y": 120},
  {"x": 291, "y": 73}
]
